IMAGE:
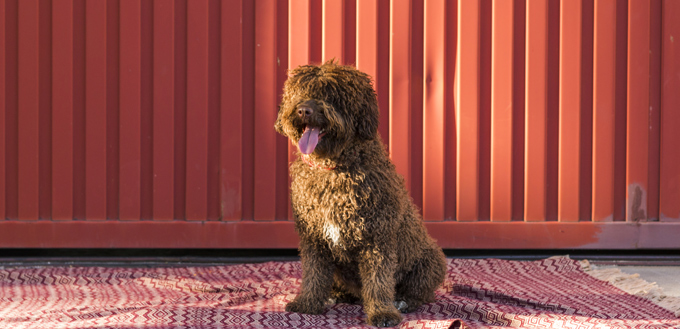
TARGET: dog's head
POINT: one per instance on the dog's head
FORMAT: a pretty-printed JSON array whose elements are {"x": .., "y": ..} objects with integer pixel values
[{"x": 325, "y": 108}]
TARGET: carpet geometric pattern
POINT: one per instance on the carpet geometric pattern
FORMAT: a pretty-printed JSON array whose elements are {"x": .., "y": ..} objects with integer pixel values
[{"x": 477, "y": 293}]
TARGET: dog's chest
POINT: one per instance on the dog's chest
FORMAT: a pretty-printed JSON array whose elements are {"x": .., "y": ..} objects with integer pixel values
[{"x": 328, "y": 212}]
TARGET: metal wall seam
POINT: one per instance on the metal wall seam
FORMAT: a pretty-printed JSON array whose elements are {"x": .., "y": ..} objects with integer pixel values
[
  {"x": 163, "y": 111},
  {"x": 62, "y": 110},
  {"x": 467, "y": 89},
  {"x": 654, "y": 110},
  {"x": 669, "y": 210},
  {"x": 484, "y": 128},
  {"x": 518, "y": 101},
  {"x": 604, "y": 106},
  {"x": 231, "y": 112},
  {"x": 621, "y": 104},
  {"x": 536, "y": 111},
  {"x": 637, "y": 182},
  {"x": 349, "y": 31},
  {"x": 586, "y": 145}
]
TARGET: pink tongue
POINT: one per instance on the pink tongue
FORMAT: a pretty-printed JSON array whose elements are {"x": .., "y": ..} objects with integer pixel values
[{"x": 308, "y": 141}]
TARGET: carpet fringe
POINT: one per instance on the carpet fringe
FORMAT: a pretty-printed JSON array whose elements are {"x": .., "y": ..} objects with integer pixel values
[{"x": 634, "y": 285}]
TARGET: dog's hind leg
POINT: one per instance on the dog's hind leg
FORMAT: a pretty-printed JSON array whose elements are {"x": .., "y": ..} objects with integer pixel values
[{"x": 418, "y": 285}]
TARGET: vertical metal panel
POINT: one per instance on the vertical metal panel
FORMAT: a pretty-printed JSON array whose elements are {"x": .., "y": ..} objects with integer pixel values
[
  {"x": 621, "y": 112},
  {"x": 265, "y": 109},
  {"x": 400, "y": 88},
  {"x": 552, "y": 139},
  {"x": 231, "y": 187},
  {"x": 3, "y": 186},
  {"x": 372, "y": 55},
  {"x": 467, "y": 111},
  {"x": 604, "y": 115},
  {"x": 586, "y": 146},
  {"x": 45, "y": 109},
  {"x": 333, "y": 21},
  {"x": 28, "y": 113},
  {"x": 638, "y": 110},
  {"x": 11, "y": 109},
  {"x": 130, "y": 109},
  {"x": 485, "y": 45},
  {"x": 434, "y": 110},
  {"x": 518, "y": 107},
  {"x": 654, "y": 109},
  {"x": 536, "y": 112},
  {"x": 299, "y": 51},
  {"x": 570, "y": 111},
  {"x": 146, "y": 115},
  {"x": 112, "y": 108},
  {"x": 451, "y": 138},
  {"x": 197, "y": 110},
  {"x": 248, "y": 87},
  {"x": 502, "y": 110},
  {"x": 181, "y": 40},
  {"x": 283, "y": 206},
  {"x": 299, "y": 31},
  {"x": 62, "y": 110},
  {"x": 79, "y": 110},
  {"x": 95, "y": 102},
  {"x": 163, "y": 110},
  {"x": 669, "y": 209},
  {"x": 214, "y": 108}
]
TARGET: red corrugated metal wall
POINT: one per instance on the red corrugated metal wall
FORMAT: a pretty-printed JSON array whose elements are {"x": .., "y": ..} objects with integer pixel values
[{"x": 516, "y": 123}]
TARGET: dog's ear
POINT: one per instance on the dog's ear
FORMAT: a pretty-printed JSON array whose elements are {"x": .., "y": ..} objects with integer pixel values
[
  {"x": 367, "y": 127},
  {"x": 278, "y": 125}
]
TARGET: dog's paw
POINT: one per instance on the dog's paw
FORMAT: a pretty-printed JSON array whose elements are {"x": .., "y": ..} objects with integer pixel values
[
  {"x": 384, "y": 319},
  {"x": 301, "y": 306}
]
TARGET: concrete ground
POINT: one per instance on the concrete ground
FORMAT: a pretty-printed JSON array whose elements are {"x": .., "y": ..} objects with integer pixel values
[{"x": 666, "y": 277}]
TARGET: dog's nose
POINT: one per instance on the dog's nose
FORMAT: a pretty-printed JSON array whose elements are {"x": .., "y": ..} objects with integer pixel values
[{"x": 305, "y": 112}]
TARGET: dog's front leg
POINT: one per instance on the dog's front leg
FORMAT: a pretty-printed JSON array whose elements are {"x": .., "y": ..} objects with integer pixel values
[
  {"x": 377, "y": 268},
  {"x": 317, "y": 280}
]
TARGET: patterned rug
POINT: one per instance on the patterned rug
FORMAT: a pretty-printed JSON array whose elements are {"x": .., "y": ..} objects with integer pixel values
[{"x": 488, "y": 293}]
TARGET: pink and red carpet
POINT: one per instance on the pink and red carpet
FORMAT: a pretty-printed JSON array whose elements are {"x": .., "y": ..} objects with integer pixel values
[{"x": 482, "y": 293}]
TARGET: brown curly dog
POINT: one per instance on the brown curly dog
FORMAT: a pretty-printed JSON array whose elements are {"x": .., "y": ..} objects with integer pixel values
[{"x": 361, "y": 237}]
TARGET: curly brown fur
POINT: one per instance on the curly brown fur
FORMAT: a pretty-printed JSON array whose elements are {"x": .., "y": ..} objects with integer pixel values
[{"x": 361, "y": 237}]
